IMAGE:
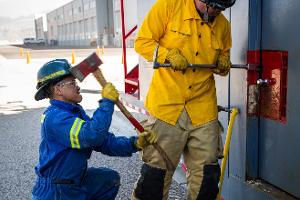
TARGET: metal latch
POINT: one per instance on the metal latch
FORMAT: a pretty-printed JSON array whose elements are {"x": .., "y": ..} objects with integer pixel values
[
  {"x": 267, "y": 88},
  {"x": 266, "y": 81}
]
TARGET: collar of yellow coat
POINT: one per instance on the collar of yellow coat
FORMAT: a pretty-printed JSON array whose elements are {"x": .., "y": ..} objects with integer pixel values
[{"x": 190, "y": 12}]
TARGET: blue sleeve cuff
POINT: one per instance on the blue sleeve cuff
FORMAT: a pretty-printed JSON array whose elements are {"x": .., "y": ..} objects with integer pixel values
[
  {"x": 133, "y": 140},
  {"x": 106, "y": 103}
]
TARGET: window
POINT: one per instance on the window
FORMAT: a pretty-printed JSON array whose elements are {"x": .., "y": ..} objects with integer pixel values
[
  {"x": 86, "y": 6},
  {"x": 74, "y": 27},
  {"x": 70, "y": 29},
  {"x": 86, "y": 27},
  {"x": 93, "y": 24},
  {"x": 118, "y": 19},
  {"x": 92, "y": 4},
  {"x": 60, "y": 32},
  {"x": 66, "y": 29},
  {"x": 79, "y": 26}
]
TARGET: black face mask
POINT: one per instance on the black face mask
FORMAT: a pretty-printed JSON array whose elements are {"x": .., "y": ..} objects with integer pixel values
[
  {"x": 205, "y": 17},
  {"x": 217, "y": 6}
]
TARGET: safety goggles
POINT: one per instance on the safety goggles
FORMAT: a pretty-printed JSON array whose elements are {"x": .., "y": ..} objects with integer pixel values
[{"x": 72, "y": 83}]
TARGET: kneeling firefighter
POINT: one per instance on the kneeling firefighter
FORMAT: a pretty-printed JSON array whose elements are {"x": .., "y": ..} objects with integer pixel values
[{"x": 69, "y": 136}]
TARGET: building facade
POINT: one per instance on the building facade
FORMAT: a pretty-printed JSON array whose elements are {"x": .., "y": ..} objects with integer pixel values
[{"x": 82, "y": 23}]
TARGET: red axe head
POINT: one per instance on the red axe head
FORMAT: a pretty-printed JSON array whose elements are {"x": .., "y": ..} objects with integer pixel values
[{"x": 87, "y": 66}]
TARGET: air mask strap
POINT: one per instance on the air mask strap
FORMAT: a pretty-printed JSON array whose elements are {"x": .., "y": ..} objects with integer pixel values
[{"x": 205, "y": 15}]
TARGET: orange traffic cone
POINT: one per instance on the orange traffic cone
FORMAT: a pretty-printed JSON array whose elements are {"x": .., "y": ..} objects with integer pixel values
[
  {"x": 21, "y": 52},
  {"x": 98, "y": 51},
  {"x": 28, "y": 57},
  {"x": 73, "y": 57}
]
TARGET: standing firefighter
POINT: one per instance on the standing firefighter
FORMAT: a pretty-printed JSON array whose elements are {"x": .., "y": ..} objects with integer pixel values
[
  {"x": 68, "y": 137},
  {"x": 182, "y": 101}
]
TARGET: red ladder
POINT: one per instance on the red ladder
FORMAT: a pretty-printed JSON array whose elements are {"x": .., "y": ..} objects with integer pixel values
[{"x": 131, "y": 78}]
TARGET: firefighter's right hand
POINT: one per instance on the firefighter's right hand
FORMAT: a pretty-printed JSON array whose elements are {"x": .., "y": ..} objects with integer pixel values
[
  {"x": 223, "y": 65},
  {"x": 109, "y": 92},
  {"x": 177, "y": 60}
]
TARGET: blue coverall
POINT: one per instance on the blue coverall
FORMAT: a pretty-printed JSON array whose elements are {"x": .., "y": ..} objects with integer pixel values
[{"x": 68, "y": 137}]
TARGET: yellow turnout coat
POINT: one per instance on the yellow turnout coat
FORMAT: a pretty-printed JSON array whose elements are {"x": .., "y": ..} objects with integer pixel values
[{"x": 177, "y": 24}]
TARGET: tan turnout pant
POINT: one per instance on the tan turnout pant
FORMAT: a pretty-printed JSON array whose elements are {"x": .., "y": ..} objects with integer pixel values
[{"x": 200, "y": 147}]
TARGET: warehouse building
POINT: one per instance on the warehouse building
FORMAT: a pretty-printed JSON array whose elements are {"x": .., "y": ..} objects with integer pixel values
[{"x": 90, "y": 23}]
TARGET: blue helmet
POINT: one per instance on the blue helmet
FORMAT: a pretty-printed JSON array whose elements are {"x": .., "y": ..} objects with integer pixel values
[
  {"x": 51, "y": 72},
  {"x": 220, "y": 4}
]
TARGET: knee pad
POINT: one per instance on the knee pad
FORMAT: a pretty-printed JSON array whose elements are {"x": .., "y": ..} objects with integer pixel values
[
  {"x": 150, "y": 184},
  {"x": 209, "y": 188},
  {"x": 114, "y": 175},
  {"x": 109, "y": 176}
]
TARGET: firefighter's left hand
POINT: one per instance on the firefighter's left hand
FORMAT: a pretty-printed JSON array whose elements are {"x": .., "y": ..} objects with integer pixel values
[
  {"x": 146, "y": 138},
  {"x": 110, "y": 92},
  {"x": 223, "y": 65}
]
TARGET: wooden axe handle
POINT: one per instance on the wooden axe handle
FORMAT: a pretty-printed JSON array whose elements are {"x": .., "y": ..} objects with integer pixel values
[{"x": 100, "y": 78}]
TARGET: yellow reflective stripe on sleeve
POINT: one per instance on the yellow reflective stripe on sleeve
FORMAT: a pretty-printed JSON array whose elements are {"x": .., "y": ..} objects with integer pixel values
[
  {"x": 71, "y": 131},
  {"x": 77, "y": 132},
  {"x": 43, "y": 118},
  {"x": 74, "y": 133}
]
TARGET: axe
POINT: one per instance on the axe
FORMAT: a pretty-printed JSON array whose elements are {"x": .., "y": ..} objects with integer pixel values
[{"x": 90, "y": 65}]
